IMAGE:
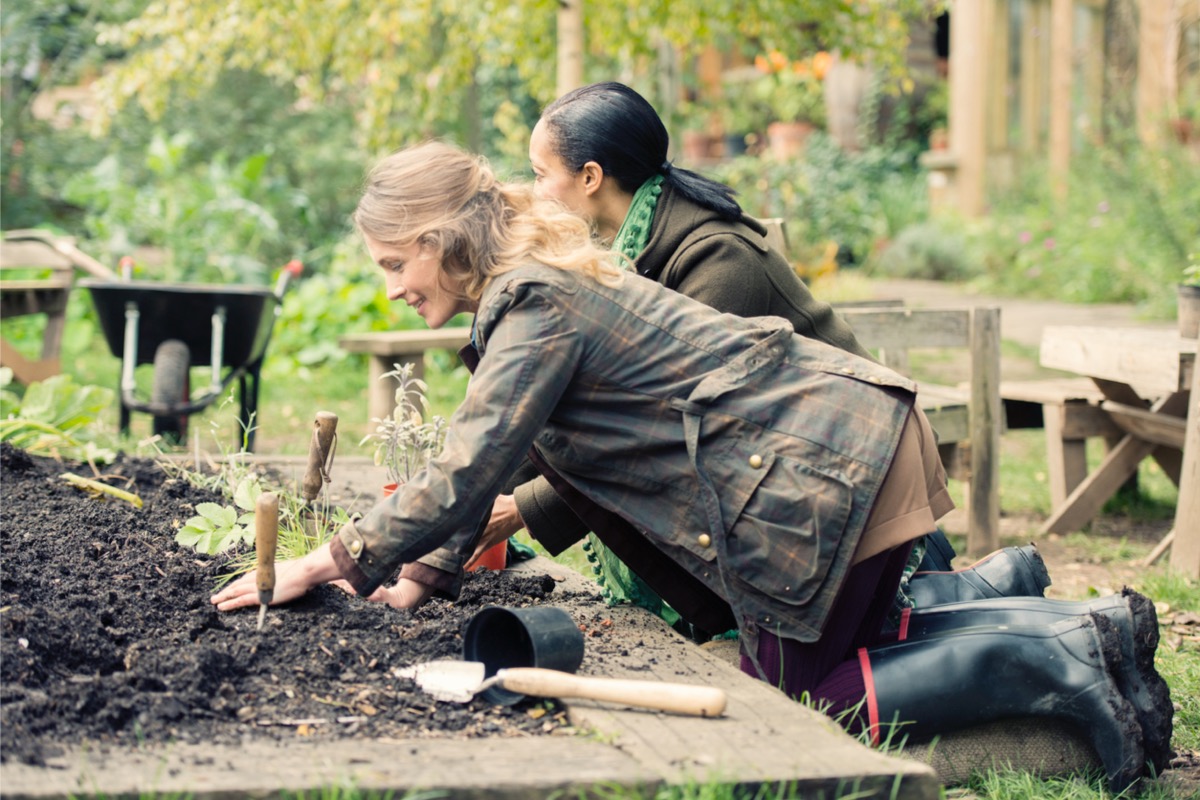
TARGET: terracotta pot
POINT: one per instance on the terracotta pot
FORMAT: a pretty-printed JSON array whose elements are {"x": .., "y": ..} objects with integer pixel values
[
  {"x": 696, "y": 145},
  {"x": 787, "y": 139},
  {"x": 494, "y": 558},
  {"x": 939, "y": 139},
  {"x": 1189, "y": 310}
]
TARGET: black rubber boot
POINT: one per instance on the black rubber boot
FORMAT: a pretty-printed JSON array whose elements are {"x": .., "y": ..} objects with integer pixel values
[
  {"x": 1063, "y": 671},
  {"x": 1011, "y": 572},
  {"x": 1136, "y": 624}
]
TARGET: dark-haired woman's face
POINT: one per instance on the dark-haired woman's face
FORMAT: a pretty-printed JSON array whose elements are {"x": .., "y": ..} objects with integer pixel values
[{"x": 552, "y": 178}]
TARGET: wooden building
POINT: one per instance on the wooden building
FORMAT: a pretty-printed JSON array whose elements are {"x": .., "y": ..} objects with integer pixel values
[{"x": 1040, "y": 79}]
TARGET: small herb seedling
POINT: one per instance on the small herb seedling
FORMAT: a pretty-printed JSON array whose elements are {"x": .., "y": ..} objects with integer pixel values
[{"x": 404, "y": 442}]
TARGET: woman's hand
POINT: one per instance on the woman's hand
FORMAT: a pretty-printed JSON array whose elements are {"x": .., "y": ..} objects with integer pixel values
[
  {"x": 505, "y": 521},
  {"x": 292, "y": 580},
  {"x": 406, "y": 593}
]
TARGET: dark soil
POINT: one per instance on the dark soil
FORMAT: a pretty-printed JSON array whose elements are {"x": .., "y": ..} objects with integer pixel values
[{"x": 107, "y": 635}]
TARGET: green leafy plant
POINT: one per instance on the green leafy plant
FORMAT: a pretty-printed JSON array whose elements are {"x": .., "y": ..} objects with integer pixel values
[
  {"x": 404, "y": 442},
  {"x": 1191, "y": 273},
  {"x": 217, "y": 528},
  {"x": 56, "y": 417},
  {"x": 792, "y": 91}
]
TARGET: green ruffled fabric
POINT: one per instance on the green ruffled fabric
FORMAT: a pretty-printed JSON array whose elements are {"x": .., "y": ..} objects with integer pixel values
[
  {"x": 618, "y": 583},
  {"x": 631, "y": 239}
]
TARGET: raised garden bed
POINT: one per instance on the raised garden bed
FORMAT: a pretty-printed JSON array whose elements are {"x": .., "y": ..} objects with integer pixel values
[{"x": 119, "y": 677}]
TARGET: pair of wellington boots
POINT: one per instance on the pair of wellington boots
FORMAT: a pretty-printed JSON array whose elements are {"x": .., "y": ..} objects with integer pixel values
[
  {"x": 1010, "y": 572},
  {"x": 1090, "y": 664}
]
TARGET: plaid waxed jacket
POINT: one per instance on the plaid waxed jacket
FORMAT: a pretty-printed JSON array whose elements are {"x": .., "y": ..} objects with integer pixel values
[{"x": 746, "y": 453}]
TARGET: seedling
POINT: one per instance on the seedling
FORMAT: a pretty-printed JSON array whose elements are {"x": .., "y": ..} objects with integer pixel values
[{"x": 404, "y": 442}]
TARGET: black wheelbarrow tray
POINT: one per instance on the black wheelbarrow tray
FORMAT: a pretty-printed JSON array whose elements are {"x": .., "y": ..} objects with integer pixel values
[{"x": 177, "y": 326}]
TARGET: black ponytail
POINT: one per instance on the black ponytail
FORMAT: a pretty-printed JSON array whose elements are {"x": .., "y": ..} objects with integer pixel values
[{"x": 616, "y": 127}]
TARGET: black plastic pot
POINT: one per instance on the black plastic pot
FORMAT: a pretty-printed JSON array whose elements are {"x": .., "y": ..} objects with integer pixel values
[{"x": 539, "y": 636}]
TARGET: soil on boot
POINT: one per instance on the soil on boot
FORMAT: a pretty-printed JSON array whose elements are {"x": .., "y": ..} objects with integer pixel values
[{"x": 107, "y": 635}]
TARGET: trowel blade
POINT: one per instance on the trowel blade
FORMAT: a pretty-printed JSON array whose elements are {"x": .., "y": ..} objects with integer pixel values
[{"x": 449, "y": 681}]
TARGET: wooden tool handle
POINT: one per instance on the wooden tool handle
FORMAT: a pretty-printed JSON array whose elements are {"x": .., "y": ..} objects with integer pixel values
[
  {"x": 324, "y": 429},
  {"x": 678, "y": 698},
  {"x": 266, "y": 536}
]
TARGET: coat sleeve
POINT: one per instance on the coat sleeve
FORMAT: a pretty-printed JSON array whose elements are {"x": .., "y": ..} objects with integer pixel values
[
  {"x": 548, "y": 518},
  {"x": 731, "y": 274},
  {"x": 531, "y": 355}
]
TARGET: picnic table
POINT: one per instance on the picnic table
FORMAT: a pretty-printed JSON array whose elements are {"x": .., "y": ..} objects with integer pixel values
[{"x": 1151, "y": 390}]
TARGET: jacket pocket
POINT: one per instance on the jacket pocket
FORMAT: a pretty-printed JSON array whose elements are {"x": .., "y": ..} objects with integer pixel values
[{"x": 784, "y": 541}]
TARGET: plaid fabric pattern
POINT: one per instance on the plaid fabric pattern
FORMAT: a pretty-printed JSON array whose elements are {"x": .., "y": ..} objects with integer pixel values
[{"x": 746, "y": 453}]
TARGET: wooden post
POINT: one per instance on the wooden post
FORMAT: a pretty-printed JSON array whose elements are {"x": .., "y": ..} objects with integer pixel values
[
  {"x": 1062, "y": 50},
  {"x": 1185, "y": 551},
  {"x": 968, "y": 92},
  {"x": 1152, "y": 69},
  {"x": 570, "y": 45},
  {"x": 983, "y": 507}
]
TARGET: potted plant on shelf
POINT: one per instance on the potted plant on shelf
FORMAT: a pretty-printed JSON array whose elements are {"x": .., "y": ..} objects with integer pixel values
[
  {"x": 794, "y": 93},
  {"x": 405, "y": 442},
  {"x": 1188, "y": 295}
]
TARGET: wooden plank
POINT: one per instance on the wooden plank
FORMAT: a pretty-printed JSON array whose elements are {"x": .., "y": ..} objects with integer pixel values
[
  {"x": 1089, "y": 497},
  {"x": 1053, "y": 390},
  {"x": 1062, "y": 59},
  {"x": 400, "y": 343},
  {"x": 1185, "y": 551},
  {"x": 1120, "y": 463},
  {"x": 910, "y": 328},
  {"x": 983, "y": 506},
  {"x": 1066, "y": 456},
  {"x": 1158, "y": 428},
  {"x": 1154, "y": 361}
]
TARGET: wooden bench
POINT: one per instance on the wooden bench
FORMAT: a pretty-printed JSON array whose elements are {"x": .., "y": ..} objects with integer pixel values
[
  {"x": 968, "y": 418},
  {"x": 38, "y": 270},
  {"x": 1069, "y": 410},
  {"x": 388, "y": 348}
]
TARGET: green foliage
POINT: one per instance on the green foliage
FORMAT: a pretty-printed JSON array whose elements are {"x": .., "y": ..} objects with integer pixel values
[
  {"x": 55, "y": 417},
  {"x": 854, "y": 199},
  {"x": 1122, "y": 233},
  {"x": 216, "y": 528},
  {"x": 927, "y": 250},
  {"x": 434, "y": 58},
  {"x": 404, "y": 442},
  {"x": 213, "y": 219},
  {"x": 348, "y": 296}
]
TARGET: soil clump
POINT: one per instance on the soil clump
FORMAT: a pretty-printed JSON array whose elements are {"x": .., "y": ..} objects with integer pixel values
[{"x": 108, "y": 638}]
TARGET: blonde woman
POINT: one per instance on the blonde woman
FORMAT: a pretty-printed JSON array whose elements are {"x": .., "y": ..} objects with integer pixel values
[{"x": 755, "y": 478}]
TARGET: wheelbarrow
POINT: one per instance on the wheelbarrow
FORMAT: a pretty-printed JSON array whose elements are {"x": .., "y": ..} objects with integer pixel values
[{"x": 177, "y": 326}]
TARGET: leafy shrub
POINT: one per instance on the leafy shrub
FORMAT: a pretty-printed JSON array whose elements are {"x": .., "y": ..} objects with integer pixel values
[
  {"x": 853, "y": 199},
  {"x": 1122, "y": 233},
  {"x": 926, "y": 250},
  {"x": 55, "y": 417}
]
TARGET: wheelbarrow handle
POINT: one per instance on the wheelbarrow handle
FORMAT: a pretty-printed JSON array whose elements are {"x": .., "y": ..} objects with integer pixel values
[{"x": 290, "y": 270}]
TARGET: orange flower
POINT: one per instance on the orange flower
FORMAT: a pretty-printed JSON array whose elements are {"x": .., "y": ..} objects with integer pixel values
[{"x": 821, "y": 63}]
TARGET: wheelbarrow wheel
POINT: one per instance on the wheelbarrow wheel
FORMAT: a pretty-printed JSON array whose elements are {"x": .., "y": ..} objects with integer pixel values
[{"x": 172, "y": 360}]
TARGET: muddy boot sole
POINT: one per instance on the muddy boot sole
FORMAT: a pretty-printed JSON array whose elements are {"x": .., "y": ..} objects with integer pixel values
[
  {"x": 1155, "y": 712},
  {"x": 1124, "y": 772}
]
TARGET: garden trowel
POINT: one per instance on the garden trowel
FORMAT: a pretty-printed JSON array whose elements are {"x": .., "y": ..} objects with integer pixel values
[
  {"x": 320, "y": 459},
  {"x": 266, "y": 536},
  {"x": 459, "y": 681}
]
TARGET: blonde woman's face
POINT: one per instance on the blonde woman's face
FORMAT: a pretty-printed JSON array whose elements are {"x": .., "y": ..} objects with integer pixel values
[
  {"x": 413, "y": 274},
  {"x": 552, "y": 178}
]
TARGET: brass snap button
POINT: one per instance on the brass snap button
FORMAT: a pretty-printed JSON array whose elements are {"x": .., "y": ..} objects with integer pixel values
[
  {"x": 756, "y": 461},
  {"x": 704, "y": 540}
]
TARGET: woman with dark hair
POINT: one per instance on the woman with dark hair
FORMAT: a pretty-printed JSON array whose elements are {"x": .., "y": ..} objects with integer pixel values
[
  {"x": 780, "y": 481},
  {"x": 601, "y": 150}
]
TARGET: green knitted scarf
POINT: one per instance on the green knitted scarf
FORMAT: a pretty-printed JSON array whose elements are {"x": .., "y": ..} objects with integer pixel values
[
  {"x": 631, "y": 239},
  {"x": 617, "y": 581}
]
